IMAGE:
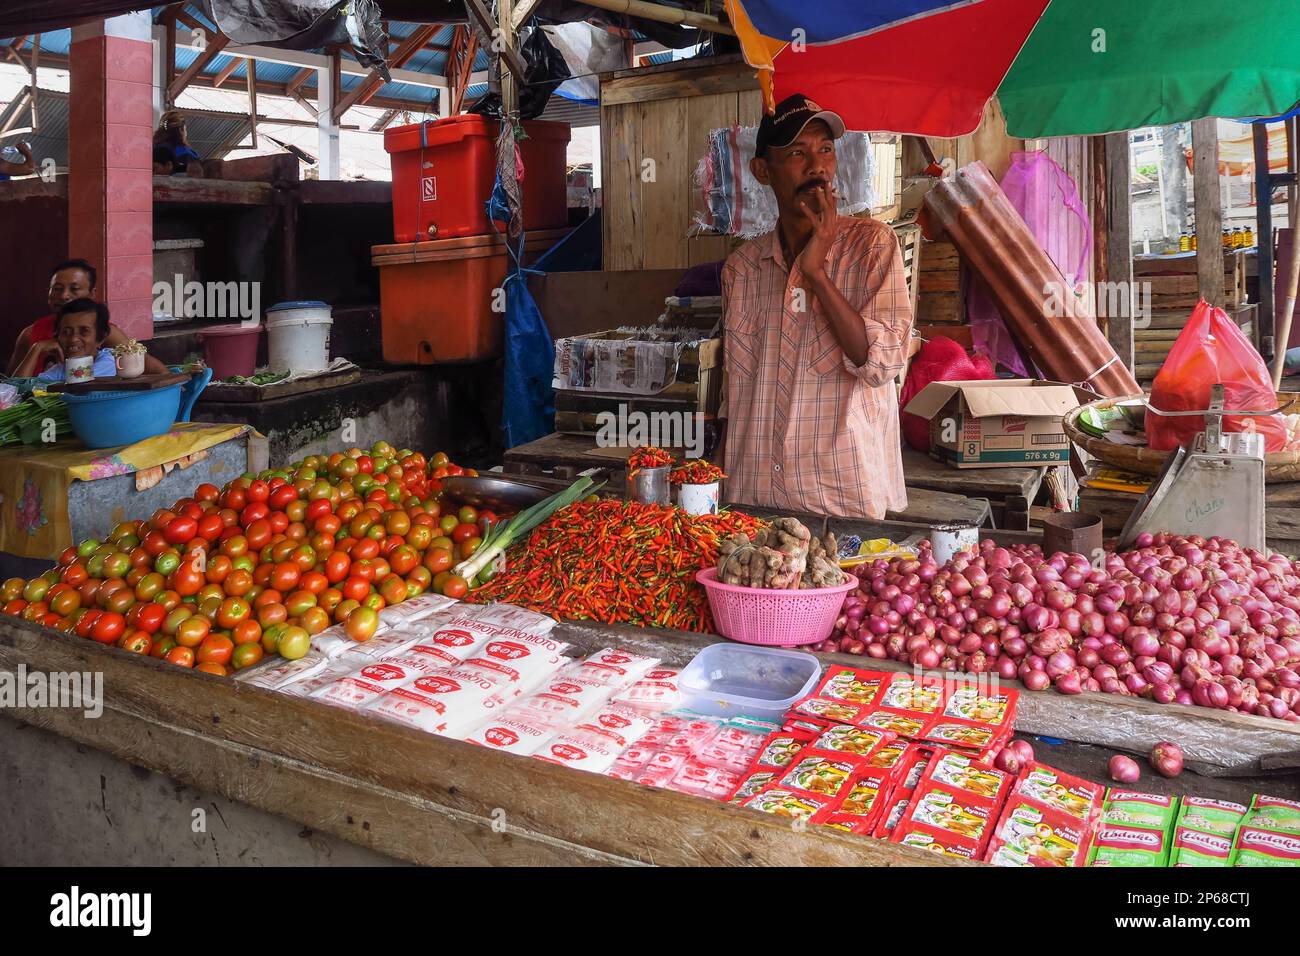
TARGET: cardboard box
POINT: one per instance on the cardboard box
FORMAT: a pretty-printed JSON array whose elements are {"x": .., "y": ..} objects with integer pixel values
[{"x": 997, "y": 424}]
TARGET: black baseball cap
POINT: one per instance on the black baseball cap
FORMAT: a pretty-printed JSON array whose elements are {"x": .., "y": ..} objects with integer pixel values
[{"x": 782, "y": 127}]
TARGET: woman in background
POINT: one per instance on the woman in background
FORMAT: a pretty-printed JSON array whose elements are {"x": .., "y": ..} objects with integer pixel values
[{"x": 172, "y": 135}]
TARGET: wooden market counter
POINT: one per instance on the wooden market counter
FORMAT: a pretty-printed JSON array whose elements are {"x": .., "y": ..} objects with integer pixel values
[{"x": 430, "y": 800}]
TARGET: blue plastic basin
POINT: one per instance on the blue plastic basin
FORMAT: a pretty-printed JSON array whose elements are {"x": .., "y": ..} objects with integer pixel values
[{"x": 111, "y": 418}]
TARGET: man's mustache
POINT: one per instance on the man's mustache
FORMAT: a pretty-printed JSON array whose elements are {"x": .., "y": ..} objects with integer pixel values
[{"x": 812, "y": 184}]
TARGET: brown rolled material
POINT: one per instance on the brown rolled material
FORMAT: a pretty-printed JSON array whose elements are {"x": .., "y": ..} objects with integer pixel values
[{"x": 998, "y": 246}]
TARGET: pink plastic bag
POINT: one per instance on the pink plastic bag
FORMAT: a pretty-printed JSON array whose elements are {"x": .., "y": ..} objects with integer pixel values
[
  {"x": 1211, "y": 349},
  {"x": 1048, "y": 200},
  {"x": 940, "y": 360}
]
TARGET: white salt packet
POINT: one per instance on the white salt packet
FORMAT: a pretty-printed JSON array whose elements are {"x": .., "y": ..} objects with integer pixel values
[
  {"x": 450, "y": 701},
  {"x": 513, "y": 732},
  {"x": 363, "y": 685},
  {"x": 415, "y": 609},
  {"x": 620, "y": 725},
  {"x": 276, "y": 673},
  {"x": 657, "y": 691},
  {"x": 566, "y": 700},
  {"x": 333, "y": 670},
  {"x": 395, "y": 640},
  {"x": 614, "y": 666},
  {"x": 589, "y": 752}
]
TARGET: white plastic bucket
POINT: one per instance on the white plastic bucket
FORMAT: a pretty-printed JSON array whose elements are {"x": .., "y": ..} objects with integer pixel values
[
  {"x": 298, "y": 336},
  {"x": 699, "y": 499}
]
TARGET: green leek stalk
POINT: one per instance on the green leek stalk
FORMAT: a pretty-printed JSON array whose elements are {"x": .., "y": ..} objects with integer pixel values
[{"x": 500, "y": 536}]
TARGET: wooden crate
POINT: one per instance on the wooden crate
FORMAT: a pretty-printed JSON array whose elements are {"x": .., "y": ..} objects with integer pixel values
[
  {"x": 698, "y": 388},
  {"x": 940, "y": 292},
  {"x": 1174, "y": 283}
]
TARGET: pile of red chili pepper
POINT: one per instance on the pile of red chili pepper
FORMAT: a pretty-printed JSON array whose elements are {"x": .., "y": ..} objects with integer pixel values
[
  {"x": 618, "y": 562},
  {"x": 697, "y": 471},
  {"x": 647, "y": 456}
]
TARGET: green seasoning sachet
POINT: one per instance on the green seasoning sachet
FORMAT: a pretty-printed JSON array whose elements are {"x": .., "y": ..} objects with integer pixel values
[
  {"x": 1198, "y": 848},
  {"x": 1256, "y": 846},
  {"x": 1274, "y": 813},
  {"x": 1210, "y": 816},
  {"x": 1123, "y": 845},
  {"x": 1151, "y": 810}
]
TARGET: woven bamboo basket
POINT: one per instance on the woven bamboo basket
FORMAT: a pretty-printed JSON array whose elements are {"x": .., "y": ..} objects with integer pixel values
[{"x": 1278, "y": 466}]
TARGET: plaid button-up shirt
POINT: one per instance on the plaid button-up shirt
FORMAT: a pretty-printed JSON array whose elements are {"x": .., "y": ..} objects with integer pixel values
[{"x": 807, "y": 430}]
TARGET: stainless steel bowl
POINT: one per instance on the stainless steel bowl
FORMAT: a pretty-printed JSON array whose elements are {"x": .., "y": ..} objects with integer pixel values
[{"x": 499, "y": 494}]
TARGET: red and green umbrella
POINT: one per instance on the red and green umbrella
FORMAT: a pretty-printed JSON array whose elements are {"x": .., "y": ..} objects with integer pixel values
[{"x": 1058, "y": 68}]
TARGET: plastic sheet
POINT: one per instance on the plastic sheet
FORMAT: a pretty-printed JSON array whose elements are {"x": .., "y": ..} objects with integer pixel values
[
  {"x": 1048, "y": 200},
  {"x": 940, "y": 360}
]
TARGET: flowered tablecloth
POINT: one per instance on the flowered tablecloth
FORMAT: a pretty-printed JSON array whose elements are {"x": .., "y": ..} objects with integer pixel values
[{"x": 35, "y": 480}]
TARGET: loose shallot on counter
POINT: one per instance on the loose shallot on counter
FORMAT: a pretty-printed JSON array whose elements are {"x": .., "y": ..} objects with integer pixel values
[{"x": 1177, "y": 620}]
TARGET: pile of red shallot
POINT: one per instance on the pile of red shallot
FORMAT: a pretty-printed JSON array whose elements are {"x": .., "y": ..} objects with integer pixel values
[{"x": 1176, "y": 620}]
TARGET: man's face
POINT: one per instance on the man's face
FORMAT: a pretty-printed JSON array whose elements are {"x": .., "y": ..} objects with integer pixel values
[
  {"x": 77, "y": 334},
  {"x": 69, "y": 284},
  {"x": 793, "y": 171}
]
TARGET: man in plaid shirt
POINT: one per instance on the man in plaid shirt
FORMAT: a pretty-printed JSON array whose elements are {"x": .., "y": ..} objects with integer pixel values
[{"x": 817, "y": 320}]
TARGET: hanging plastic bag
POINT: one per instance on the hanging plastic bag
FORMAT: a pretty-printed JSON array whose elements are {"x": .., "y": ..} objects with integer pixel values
[
  {"x": 1209, "y": 350},
  {"x": 528, "y": 411},
  {"x": 1048, "y": 200},
  {"x": 940, "y": 360}
]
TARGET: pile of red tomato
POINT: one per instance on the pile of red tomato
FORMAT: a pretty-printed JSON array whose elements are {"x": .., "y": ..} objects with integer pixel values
[{"x": 220, "y": 580}]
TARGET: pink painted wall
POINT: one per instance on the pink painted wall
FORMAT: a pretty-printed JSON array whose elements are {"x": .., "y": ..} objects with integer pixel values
[{"x": 110, "y": 166}]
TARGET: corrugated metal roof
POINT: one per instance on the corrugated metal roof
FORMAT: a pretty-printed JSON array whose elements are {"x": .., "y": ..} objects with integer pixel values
[{"x": 207, "y": 133}]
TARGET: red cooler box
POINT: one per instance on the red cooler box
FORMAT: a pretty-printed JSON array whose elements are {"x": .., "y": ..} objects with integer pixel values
[{"x": 444, "y": 170}]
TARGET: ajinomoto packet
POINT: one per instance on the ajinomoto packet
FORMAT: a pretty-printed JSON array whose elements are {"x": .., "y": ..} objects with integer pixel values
[
  {"x": 906, "y": 692},
  {"x": 701, "y": 780},
  {"x": 1199, "y": 848},
  {"x": 1118, "y": 844},
  {"x": 1274, "y": 813},
  {"x": 970, "y": 702},
  {"x": 1212, "y": 816},
  {"x": 823, "y": 773},
  {"x": 851, "y": 685},
  {"x": 751, "y": 784},
  {"x": 1258, "y": 846},
  {"x": 960, "y": 772},
  {"x": 1155, "y": 811},
  {"x": 778, "y": 751},
  {"x": 943, "y": 842},
  {"x": 795, "y": 804},
  {"x": 278, "y": 673},
  {"x": 865, "y": 797},
  {"x": 901, "y": 722},
  {"x": 962, "y": 814},
  {"x": 1028, "y": 834},
  {"x": 614, "y": 666},
  {"x": 888, "y": 755},
  {"x": 961, "y": 733},
  {"x": 859, "y": 741},
  {"x": 1059, "y": 791},
  {"x": 829, "y": 709},
  {"x": 658, "y": 690},
  {"x": 512, "y": 732}
]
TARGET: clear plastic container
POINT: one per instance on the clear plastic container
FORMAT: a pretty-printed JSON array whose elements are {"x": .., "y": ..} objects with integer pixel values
[{"x": 731, "y": 680}]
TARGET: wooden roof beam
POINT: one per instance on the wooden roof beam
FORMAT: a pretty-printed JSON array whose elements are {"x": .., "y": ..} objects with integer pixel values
[
  {"x": 215, "y": 46},
  {"x": 367, "y": 88},
  {"x": 225, "y": 71}
]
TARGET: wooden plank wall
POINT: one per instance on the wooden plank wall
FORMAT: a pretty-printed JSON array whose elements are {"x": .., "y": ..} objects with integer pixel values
[{"x": 665, "y": 114}]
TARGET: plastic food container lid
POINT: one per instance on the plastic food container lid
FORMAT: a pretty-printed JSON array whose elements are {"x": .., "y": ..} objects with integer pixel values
[
  {"x": 219, "y": 330},
  {"x": 305, "y": 304},
  {"x": 743, "y": 679}
]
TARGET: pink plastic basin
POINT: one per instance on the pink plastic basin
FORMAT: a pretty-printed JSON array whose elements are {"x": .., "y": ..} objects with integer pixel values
[{"x": 231, "y": 349}]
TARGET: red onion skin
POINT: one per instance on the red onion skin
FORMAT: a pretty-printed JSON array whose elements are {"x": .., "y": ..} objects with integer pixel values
[
  {"x": 1167, "y": 758},
  {"x": 1038, "y": 680},
  {"x": 1124, "y": 769},
  {"x": 1069, "y": 684},
  {"x": 1008, "y": 761}
]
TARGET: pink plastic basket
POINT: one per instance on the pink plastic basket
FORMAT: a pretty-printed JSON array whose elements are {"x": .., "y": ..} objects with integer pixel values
[{"x": 771, "y": 617}]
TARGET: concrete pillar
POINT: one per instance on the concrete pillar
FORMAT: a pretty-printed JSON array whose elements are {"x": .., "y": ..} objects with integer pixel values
[
  {"x": 110, "y": 163},
  {"x": 327, "y": 166}
]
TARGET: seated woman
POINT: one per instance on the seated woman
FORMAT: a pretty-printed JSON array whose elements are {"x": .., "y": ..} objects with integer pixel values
[
  {"x": 74, "y": 279},
  {"x": 173, "y": 136},
  {"x": 80, "y": 329}
]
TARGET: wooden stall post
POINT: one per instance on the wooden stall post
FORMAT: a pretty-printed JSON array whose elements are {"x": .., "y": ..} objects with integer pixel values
[
  {"x": 1209, "y": 210},
  {"x": 1119, "y": 245}
]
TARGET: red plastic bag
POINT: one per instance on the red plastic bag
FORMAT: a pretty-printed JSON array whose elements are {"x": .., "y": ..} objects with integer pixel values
[
  {"x": 1211, "y": 349},
  {"x": 940, "y": 360}
]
